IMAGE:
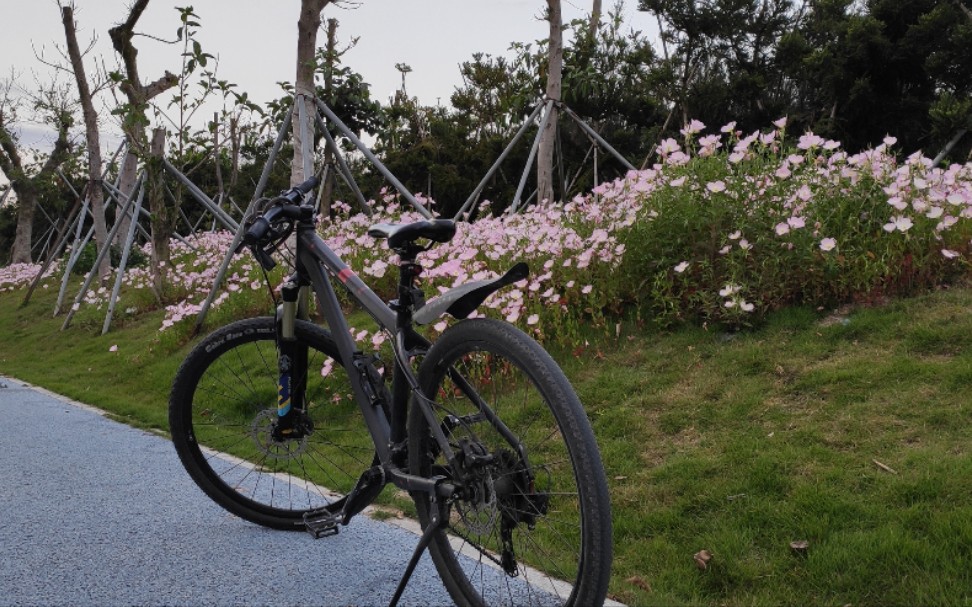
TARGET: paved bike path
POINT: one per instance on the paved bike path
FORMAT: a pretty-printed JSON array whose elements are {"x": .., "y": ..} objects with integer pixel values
[{"x": 94, "y": 512}]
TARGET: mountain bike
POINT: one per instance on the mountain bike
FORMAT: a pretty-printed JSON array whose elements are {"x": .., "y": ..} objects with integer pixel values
[{"x": 291, "y": 425}]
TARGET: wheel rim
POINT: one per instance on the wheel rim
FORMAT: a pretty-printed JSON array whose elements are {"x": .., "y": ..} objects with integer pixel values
[
  {"x": 549, "y": 555},
  {"x": 232, "y": 415}
]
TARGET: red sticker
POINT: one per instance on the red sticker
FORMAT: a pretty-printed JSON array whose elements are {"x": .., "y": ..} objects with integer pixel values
[{"x": 344, "y": 275}]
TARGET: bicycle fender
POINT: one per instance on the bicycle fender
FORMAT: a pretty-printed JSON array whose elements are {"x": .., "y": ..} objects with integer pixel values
[{"x": 462, "y": 300}]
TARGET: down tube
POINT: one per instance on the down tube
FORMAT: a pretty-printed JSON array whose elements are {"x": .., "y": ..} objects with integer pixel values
[{"x": 374, "y": 416}]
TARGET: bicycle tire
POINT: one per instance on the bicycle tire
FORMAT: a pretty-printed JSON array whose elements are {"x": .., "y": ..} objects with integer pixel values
[
  {"x": 221, "y": 409},
  {"x": 570, "y": 538}
]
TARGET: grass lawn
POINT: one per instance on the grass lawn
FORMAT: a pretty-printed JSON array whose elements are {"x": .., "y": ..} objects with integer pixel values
[{"x": 849, "y": 431}]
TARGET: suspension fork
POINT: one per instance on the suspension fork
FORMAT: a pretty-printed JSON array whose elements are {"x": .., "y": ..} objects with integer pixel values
[{"x": 291, "y": 360}]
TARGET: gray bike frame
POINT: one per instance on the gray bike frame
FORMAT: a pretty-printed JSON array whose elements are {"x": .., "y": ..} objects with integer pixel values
[{"x": 315, "y": 260}]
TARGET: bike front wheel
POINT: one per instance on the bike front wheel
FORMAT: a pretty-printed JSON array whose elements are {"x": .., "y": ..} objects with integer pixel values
[
  {"x": 531, "y": 523},
  {"x": 223, "y": 409}
]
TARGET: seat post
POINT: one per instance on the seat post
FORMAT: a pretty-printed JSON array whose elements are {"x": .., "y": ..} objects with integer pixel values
[{"x": 409, "y": 296}]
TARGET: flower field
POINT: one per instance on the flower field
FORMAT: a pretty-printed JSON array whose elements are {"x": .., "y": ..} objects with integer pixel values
[{"x": 724, "y": 228}]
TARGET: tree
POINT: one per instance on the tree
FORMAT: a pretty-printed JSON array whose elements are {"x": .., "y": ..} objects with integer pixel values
[
  {"x": 27, "y": 183},
  {"x": 307, "y": 26},
  {"x": 722, "y": 64},
  {"x": 555, "y": 63},
  {"x": 95, "y": 191},
  {"x": 134, "y": 124},
  {"x": 866, "y": 70}
]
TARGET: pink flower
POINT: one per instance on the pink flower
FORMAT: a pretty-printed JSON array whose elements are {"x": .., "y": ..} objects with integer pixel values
[
  {"x": 587, "y": 289},
  {"x": 828, "y": 244},
  {"x": 114, "y": 348},
  {"x": 533, "y": 319},
  {"x": 782, "y": 228},
  {"x": 693, "y": 127},
  {"x": 809, "y": 141},
  {"x": 780, "y": 123},
  {"x": 899, "y": 223},
  {"x": 682, "y": 267},
  {"x": 949, "y": 254},
  {"x": 716, "y": 186}
]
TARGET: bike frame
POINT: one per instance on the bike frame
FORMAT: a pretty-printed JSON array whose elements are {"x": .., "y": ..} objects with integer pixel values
[{"x": 316, "y": 263}]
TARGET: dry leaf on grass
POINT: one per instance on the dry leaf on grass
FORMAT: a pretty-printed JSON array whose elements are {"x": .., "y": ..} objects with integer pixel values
[
  {"x": 800, "y": 546},
  {"x": 640, "y": 582},
  {"x": 702, "y": 558},
  {"x": 884, "y": 467}
]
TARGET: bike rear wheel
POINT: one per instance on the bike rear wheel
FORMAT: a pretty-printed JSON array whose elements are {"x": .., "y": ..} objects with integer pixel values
[
  {"x": 534, "y": 503},
  {"x": 222, "y": 410}
]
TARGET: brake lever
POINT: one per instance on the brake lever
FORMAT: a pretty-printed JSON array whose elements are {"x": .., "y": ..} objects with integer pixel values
[{"x": 265, "y": 259}]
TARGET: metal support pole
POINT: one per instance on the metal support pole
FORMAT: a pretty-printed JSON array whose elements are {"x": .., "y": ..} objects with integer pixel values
[
  {"x": 373, "y": 159},
  {"x": 948, "y": 147},
  {"x": 198, "y": 194},
  {"x": 265, "y": 175},
  {"x": 76, "y": 249},
  {"x": 533, "y": 154},
  {"x": 120, "y": 271},
  {"x": 94, "y": 268},
  {"x": 600, "y": 140},
  {"x": 344, "y": 170},
  {"x": 238, "y": 237},
  {"x": 62, "y": 239},
  {"x": 470, "y": 205}
]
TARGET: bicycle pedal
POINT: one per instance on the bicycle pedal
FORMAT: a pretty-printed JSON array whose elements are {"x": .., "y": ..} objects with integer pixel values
[{"x": 321, "y": 525}]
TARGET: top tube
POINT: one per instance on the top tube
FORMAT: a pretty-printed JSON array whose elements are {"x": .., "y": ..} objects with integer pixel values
[{"x": 317, "y": 249}]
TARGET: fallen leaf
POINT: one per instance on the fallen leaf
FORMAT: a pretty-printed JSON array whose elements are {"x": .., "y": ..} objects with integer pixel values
[
  {"x": 800, "y": 546},
  {"x": 702, "y": 558},
  {"x": 884, "y": 467},
  {"x": 639, "y": 582}
]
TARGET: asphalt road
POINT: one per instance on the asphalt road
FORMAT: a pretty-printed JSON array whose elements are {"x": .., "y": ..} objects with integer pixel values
[{"x": 94, "y": 512}]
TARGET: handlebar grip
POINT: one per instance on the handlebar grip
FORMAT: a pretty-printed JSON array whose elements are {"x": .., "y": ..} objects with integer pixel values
[
  {"x": 308, "y": 185},
  {"x": 259, "y": 230}
]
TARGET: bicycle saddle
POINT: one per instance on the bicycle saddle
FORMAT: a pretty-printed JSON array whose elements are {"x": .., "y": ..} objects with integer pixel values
[{"x": 399, "y": 235}]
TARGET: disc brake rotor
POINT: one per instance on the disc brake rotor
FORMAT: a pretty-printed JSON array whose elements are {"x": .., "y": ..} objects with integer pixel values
[{"x": 261, "y": 430}]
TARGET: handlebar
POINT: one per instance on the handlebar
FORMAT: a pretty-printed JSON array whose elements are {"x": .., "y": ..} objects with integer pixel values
[{"x": 286, "y": 206}]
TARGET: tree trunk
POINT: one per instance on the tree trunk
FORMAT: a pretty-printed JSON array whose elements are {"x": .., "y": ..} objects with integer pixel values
[
  {"x": 96, "y": 193},
  {"x": 328, "y": 194},
  {"x": 595, "y": 20},
  {"x": 554, "y": 74},
  {"x": 161, "y": 214},
  {"x": 26, "y": 187},
  {"x": 307, "y": 26},
  {"x": 126, "y": 186},
  {"x": 26, "y": 202},
  {"x": 134, "y": 124}
]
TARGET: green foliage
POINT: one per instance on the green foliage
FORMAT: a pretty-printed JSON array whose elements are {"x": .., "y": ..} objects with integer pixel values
[
  {"x": 730, "y": 235},
  {"x": 136, "y": 258}
]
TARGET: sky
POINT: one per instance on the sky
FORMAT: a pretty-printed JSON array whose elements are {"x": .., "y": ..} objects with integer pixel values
[{"x": 255, "y": 40}]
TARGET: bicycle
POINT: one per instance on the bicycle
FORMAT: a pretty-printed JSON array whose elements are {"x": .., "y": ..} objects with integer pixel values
[{"x": 481, "y": 427}]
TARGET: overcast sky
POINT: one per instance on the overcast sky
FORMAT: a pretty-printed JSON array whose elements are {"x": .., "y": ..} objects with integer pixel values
[{"x": 255, "y": 40}]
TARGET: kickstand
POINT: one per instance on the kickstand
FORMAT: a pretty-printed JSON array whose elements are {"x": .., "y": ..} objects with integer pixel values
[{"x": 440, "y": 519}]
